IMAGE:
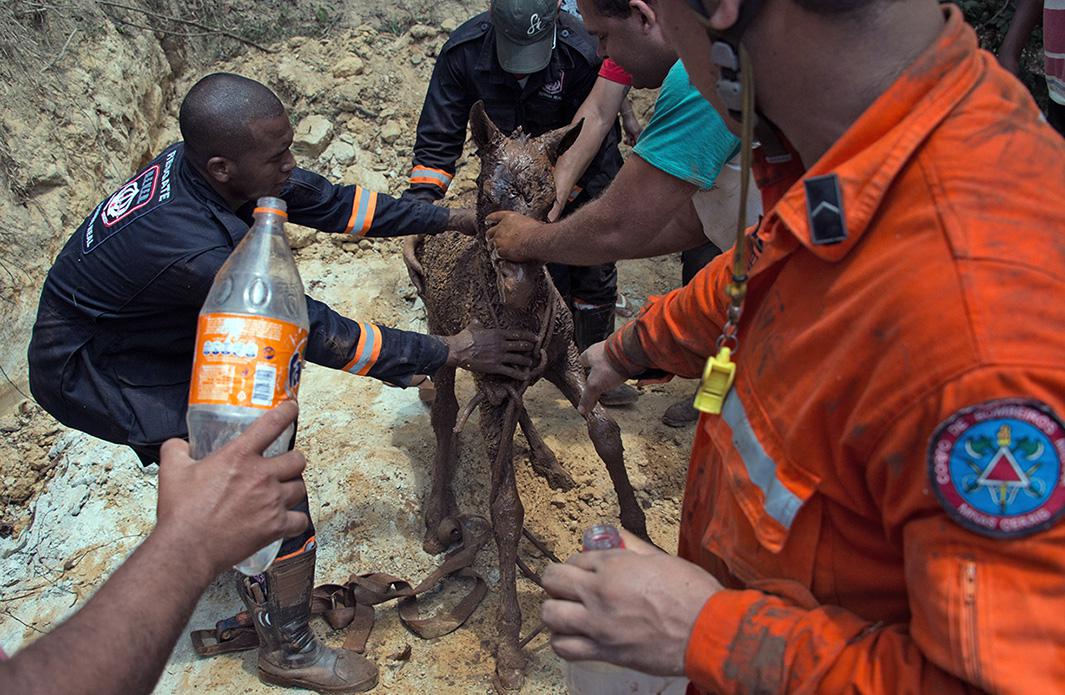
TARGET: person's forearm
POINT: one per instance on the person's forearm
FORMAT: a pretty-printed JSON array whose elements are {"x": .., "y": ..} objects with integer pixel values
[
  {"x": 684, "y": 231},
  {"x": 625, "y": 222},
  {"x": 599, "y": 112},
  {"x": 591, "y": 236},
  {"x": 821, "y": 650},
  {"x": 1025, "y": 17},
  {"x": 120, "y": 641},
  {"x": 385, "y": 216},
  {"x": 574, "y": 162}
]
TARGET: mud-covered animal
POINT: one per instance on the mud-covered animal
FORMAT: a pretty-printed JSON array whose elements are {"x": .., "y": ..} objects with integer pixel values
[{"x": 461, "y": 281}]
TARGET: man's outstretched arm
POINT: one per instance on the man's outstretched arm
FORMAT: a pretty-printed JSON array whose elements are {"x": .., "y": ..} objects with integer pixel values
[
  {"x": 211, "y": 514},
  {"x": 313, "y": 201},
  {"x": 625, "y": 222},
  {"x": 599, "y": 112}
]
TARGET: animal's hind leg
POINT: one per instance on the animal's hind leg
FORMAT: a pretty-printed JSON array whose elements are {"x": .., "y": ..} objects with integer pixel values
[
  {"x": 606, "y": 437},
  {"x": 441, "y": 529},
  {"x": 508, "y": 515},
  {"x": 543, "y": 459}
]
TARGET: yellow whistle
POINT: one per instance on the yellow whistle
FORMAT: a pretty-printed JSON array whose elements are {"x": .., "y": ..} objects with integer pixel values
[{"x": 718, "y": 376}]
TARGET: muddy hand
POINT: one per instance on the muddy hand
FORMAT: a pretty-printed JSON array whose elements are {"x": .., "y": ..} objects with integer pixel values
[
  {"x": 507, "y": 233},
  {"x": 462, "y": 220},
  {"x": 414, "y": 266},
  {"x": 602, "y": 377},
  {"x": 492, "y": 350}
]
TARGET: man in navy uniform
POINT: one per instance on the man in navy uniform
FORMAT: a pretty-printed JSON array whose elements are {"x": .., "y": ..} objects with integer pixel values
[
  {"x": 112, "y": 347},
  {"x": 532, "y": 68}
]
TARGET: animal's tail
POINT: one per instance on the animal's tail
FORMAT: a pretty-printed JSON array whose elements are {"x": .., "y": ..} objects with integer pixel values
[{"x": 411, "y": 246}]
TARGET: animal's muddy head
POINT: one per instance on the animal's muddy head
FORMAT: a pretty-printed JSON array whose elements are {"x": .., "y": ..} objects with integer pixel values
[{"x": 516, "y": 175}]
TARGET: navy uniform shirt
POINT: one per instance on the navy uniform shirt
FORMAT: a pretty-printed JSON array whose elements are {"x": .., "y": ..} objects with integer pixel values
[
  {"x": 112, "y": 347},
  {"x": 467, "y": 71}
]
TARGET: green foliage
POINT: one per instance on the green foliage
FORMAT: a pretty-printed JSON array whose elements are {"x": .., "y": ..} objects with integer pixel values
[{"x": 991, "y": 19}]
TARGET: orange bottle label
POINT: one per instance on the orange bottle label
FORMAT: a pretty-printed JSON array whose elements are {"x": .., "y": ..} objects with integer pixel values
[{"x": 248, "y": 361}]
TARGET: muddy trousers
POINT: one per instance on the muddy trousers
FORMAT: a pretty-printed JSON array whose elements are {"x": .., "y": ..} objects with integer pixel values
[
  {"x": 1056, "y": 116},
  {"x": 590, "y": 293},
  {"x": 290, "y": 655},
  {"x": 694, "y": 260}
]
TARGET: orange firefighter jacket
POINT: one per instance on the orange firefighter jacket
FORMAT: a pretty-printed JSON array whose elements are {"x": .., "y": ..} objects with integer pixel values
[{"x": 882, "y": 493}]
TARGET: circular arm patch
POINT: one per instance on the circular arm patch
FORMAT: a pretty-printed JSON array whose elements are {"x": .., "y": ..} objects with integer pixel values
[{"x": 997, "y": 467}]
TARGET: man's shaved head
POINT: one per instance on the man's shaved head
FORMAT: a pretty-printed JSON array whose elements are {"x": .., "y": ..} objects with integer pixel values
[{"x": 216, "y": 114}]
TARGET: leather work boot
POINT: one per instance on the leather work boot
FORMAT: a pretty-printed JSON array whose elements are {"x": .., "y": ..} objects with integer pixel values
[
  {"x": 680, "y": 414},
  {"x": 289, "y": 653},
  {"x": 591, "y": 326}
]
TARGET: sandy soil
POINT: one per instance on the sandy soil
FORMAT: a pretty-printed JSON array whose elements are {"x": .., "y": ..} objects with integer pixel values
[
  {"x": 369, "y": 448},
  {"x": 74, "y": 507}
]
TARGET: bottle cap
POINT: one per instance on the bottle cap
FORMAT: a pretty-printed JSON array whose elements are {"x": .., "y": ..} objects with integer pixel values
[
  {"x": 271, "y": 205},
  {"x": 602, "y": 537}
]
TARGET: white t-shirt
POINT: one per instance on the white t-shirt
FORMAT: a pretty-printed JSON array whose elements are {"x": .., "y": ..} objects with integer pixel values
[{"x": 717, "y": 208}]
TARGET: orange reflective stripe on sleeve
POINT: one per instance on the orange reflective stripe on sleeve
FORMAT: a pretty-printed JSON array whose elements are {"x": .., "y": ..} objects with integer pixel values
[
  {"x": 435, "y": 177},
  {"x": 363, "y": 206},
  {"x": 367, "y": 351}
]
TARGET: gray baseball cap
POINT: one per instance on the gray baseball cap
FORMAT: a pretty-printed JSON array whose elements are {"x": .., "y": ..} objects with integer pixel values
[{"x": 525, "y": 33}]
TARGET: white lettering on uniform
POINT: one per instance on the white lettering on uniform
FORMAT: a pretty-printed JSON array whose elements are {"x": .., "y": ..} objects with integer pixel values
[
  {"x": 942, "y": 462},
  {"x": 165, "y": 185}
]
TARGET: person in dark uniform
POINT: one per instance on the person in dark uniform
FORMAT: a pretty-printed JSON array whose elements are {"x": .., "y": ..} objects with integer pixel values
[
  {"x": 533, "y": 68},
  {"x": 112, "y": 347}
]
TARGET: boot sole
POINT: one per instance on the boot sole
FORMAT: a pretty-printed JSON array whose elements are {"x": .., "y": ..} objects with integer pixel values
[
  {"x": 619, "y": 402},
  {"x": 671, "y": 422},
  {"x": 288, "y": 682}
]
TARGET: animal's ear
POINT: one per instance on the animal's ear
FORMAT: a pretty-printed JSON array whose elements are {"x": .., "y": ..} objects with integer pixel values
[
  {"x": 558, "y": 141},
  {"x": 485, "y": 134}
]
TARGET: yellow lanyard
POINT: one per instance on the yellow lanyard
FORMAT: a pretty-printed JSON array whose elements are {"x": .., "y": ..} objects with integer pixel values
[{"x": 720, "y": 370}]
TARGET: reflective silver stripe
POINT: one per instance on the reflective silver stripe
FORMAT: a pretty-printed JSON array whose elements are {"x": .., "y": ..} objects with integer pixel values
[
  {"x": 363, "y": 200},
  {"x": 780, "y": 502}
]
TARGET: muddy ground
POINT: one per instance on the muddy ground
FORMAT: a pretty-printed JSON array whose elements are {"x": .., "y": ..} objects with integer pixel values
[{"x": 74, "y": 507}]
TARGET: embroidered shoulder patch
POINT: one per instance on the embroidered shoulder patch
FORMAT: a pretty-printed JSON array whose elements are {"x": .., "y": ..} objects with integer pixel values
[
  {"x": 145, "y": 191},
  {"x": 997, "y": 467}
]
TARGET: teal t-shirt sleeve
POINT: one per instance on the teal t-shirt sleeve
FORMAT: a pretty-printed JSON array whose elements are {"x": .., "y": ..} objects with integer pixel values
[{"x": 686, "y": 137}]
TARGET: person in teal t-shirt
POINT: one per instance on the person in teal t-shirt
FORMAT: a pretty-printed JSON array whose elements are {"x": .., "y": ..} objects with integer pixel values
[
  {"x": 687, "y": 139},
  {"x": 681, "y": 152}
]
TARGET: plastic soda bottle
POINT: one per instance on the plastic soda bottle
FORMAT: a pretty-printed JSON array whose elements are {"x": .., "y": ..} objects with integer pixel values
[
  {"x": 250, "y": 342},
  {"x": 599, "y": 677}
]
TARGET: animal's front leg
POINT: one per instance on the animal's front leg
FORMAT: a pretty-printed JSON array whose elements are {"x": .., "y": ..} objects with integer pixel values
[
  {"x": 606, "y": 437},
  {"x": 441, "y": 527},
  {"x": 498, "y": 425}
]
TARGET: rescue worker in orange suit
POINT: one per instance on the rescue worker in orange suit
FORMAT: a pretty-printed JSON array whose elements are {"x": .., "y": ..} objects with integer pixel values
[
  {"x": 878, "y": 506},
  {"x": 112, "y": 347}
]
